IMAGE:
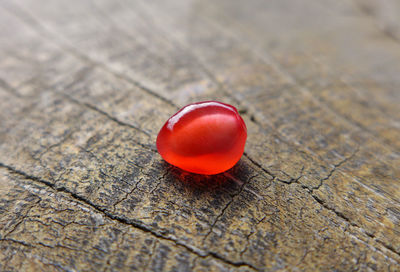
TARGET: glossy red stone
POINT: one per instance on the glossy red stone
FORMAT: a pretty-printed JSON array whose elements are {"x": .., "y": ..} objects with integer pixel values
[{"x": 204, "y": 138}]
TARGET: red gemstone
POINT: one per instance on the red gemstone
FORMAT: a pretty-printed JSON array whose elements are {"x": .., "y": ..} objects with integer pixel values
[{"x": 204, "y": 138}]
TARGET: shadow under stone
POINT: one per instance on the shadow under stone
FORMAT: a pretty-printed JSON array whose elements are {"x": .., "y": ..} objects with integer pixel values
[{"x": 226, "y": 182}]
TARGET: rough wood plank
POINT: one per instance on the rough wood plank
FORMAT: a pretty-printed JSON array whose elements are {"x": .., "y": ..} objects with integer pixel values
[{"x": 86, "y": 85}]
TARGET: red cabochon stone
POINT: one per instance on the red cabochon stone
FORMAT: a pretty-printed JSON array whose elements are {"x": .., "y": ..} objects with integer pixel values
[{"x": 204, "y": 138}]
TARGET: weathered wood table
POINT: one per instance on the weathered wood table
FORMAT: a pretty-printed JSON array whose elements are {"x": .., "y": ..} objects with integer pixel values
[{"x": 86, "y": 85}]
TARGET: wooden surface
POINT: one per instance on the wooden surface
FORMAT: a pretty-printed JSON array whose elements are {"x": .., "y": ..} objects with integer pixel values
[{"x": 86, "y": 85}]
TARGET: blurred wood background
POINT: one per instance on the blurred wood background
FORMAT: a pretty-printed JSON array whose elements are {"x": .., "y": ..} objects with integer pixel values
[{"x": 86, "y": 85}]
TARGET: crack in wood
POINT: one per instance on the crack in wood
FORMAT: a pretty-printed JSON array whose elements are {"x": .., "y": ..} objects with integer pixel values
[
  {"x": 127, "y": 194},
  {"x": 16, "y": 242},
  {"x": 130, "y": 222},
  {"x": 112, "y": 118},
  {"x": 346, "y": 219},
  {"x": 324, "y": 205},
  {"x": 24, "y": 217},
  {"x": 252, "y": 232},
  {"x": 243, "y": 184},
  {"x": 335, "y": 167}
]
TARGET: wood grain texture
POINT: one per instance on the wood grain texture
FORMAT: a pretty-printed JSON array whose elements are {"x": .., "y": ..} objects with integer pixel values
[{"x": 86, "y": 85}]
